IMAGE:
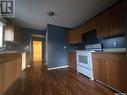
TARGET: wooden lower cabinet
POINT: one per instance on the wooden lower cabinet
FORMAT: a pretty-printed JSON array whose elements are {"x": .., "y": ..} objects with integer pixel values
[
  {"x": 10, "y": 68},
  {"x": 72, "y": 60},
  {"x": 111, "y": 69},
  {"x": 100, "y": 69},
  {"x": 2, "y": 78}
]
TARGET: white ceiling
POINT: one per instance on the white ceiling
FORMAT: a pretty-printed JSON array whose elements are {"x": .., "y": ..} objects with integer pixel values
[{"x": 68, "y": 13}]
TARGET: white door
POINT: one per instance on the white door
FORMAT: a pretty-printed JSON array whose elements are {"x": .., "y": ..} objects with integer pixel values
[{"x": 23, "y": 61}]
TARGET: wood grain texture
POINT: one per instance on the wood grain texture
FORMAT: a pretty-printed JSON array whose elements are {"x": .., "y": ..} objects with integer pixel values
[
  {"x": 36, "y": 80},
  {"x": 117, "y": 19},
  {"x": 111, "y": 70},
  {"x": 108, "y": 23},
  {"x": 117, "y": 71},
  {"x": 10, "y": 68},
  {"x": 99, "y": 67},
  {"x": 103, "y": 24},
  {"x": 111, "y": 21},
  {"x": 75, "y": 35},
  {"x": 2, "y": 78},
  {"x": 13, "y": 32},
  {"x": 88, "y": 26},
  {"x": 72, "y": 60}
]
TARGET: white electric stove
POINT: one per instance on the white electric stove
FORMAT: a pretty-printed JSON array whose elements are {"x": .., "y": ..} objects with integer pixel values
[{"x": 84, "y": 60}]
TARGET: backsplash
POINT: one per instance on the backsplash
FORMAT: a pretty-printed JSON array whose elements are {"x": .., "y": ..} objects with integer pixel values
[
  {"x": 114, "y": 42},
  {"x": 78, "y": 46}
]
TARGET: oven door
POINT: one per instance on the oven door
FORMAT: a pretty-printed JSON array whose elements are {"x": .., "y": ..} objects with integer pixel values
[{"x": 84, "y": 59}]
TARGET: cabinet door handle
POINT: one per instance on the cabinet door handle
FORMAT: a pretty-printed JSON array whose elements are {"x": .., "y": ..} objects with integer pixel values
[{"x": 102, "y": 61}]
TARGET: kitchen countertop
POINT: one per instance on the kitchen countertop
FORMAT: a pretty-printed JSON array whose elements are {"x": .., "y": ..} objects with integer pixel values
[
  {"x": 115, "y": 50},
  {"x": 8, "y": 52},
  {"x": 109, "y": 50}
]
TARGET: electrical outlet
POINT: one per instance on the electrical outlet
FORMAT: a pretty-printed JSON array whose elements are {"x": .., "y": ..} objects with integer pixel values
[{"x": 114, "y": 44}]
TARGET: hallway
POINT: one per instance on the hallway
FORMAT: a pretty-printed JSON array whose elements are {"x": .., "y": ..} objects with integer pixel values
[{"x": 35, "y": 80}]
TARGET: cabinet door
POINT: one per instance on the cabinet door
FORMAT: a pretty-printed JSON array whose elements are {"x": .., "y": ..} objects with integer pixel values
[
  {"x": 9, "y": 32},
  {"x": 78, "y": 36},
  {"x": 99, "y": 68},
  {"x": 72, "y": 60},
  {"x": 117, "y": 71},
  {"x": 2, "y": 78},
  {"x": 12, "y": 33},
  {"x": 117, "y": 19},
  {"x": 103, "y": 24},
  {"x": 70, "y": 37},
  {"x": 17, "y": 35},
  {"x": 74, "y": 36},
  {"x": 89, "y": 26}
]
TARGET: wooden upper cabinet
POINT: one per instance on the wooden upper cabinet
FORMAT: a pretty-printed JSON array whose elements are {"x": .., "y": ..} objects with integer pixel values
[
  {"x": 90, "y": 25},
  {"x": 72, "y": 60},
  {"x": 74, "y": 36},
  {"x": 9, "y": 32},
  {"x": 111, "y": 21},
  {"x": 103, "y": 24},
  {"x": 117, "y": 19},
  {"x": 108, "y": 23},
  {"x": 12, "y": 33},
  {"x": 71, "y": 37}
]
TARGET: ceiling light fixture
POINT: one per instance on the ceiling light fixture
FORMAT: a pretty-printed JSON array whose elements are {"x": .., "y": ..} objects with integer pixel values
[{"x": 50, "y": 13}]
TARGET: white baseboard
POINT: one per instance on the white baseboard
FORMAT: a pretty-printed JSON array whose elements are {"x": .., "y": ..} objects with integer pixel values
[{"x": 66, "y": 66}]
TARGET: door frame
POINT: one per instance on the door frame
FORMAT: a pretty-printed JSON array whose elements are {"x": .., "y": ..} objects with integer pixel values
[{"x": 36, "y": 37}]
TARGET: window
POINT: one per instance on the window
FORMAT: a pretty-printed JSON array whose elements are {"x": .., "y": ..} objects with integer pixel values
[{"x": 1, "y": 35}]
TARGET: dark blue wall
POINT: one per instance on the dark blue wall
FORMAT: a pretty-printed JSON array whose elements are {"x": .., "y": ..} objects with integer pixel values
[
  {"x": 108, "y": 42},
  {"x": 27, "y": 39},
  {"x": 57, "y": 55},
  {"x": 27, "y": 34}
]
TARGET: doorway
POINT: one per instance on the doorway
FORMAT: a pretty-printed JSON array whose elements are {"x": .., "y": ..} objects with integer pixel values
[{"x": 37, "y": 51}]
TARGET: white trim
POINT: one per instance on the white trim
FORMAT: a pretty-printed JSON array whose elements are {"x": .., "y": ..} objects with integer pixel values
[
  {"x": 38, "y": 36},
  {"x": 23, "y": 61},
  {"x": 58, "y": 67},
  {"x": 46, "y": 54},
  {"x": 108, "y": 86}
]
